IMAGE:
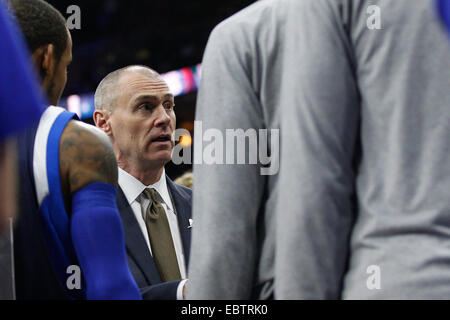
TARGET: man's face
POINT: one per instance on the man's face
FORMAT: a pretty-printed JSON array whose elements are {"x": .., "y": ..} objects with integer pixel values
[
  {"x": 142, "y": 121},
  {"x": 58, "y": 80}
]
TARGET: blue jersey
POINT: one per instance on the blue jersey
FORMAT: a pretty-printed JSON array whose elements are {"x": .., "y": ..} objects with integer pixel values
[
  {"x": 20, "y": 101},
  {"x": 43, "y": 249},
  {"x": 444, "y": 11}
]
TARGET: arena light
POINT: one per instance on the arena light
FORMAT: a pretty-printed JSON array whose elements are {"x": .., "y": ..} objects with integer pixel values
[
  {"x": 186, "y": 141},
  {"x": 74, "y": 104},
  {"x": 180, "y": 82}
]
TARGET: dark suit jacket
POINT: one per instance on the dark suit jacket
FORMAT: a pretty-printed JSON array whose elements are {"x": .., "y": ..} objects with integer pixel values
[{"x": 139, "y": 258}]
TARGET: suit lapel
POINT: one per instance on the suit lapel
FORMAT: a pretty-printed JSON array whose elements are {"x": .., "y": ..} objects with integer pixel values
[
  {"x": 135, "y": 241},
  {"x": 184, "y": 213}
]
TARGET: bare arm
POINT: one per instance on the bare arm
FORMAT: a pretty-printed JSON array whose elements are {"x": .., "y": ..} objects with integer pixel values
[
  {"x": 89, "y": 173},
  {"x": 86, "y": 156}
]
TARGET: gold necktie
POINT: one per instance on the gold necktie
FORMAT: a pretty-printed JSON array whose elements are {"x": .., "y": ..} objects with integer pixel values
[{"x": 160, "y": 237}]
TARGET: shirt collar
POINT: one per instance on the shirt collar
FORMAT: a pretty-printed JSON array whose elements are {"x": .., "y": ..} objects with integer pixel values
[{"x": 132, "y": 187}]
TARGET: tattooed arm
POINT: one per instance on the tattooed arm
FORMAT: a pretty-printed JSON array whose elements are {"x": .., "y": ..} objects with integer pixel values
[
  {"x": 89, "y": 176},
  {"x": 86, "y": 156}
]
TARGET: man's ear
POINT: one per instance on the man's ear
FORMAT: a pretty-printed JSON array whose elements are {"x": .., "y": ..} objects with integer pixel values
[
  {"x": 101, "y": 120},
  {"x": 45, "y": 61}
]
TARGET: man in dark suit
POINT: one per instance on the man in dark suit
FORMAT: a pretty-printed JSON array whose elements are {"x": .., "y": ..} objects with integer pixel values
[{"x": 135, "y": 108}]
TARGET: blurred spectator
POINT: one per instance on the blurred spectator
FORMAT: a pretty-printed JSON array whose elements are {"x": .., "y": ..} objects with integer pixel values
[{"x": 186, "y": 179}]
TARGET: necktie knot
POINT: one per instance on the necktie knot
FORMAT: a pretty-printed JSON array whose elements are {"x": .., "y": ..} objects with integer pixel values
[
  {"x": 152, "y": 195},
  {"x": 155, "y": 208}
]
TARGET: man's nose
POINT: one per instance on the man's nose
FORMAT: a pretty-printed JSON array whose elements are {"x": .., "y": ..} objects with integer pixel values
[{"x": 162, "y": 117}]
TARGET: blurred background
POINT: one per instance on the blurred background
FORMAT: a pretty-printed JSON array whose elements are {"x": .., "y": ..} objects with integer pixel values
[{"x": 167, "y": 35}]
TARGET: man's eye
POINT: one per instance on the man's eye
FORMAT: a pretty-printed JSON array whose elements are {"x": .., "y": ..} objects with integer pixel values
[
  {"x": 144, "y": 106},
  {"x": 169, "y": 106}
]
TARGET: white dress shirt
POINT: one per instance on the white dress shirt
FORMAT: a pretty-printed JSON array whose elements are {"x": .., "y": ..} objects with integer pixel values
[{"x": 133, "y": 188}]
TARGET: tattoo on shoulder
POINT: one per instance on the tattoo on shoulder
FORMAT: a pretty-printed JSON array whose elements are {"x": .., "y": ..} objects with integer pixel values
[{"x": 86, "y": 157}]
